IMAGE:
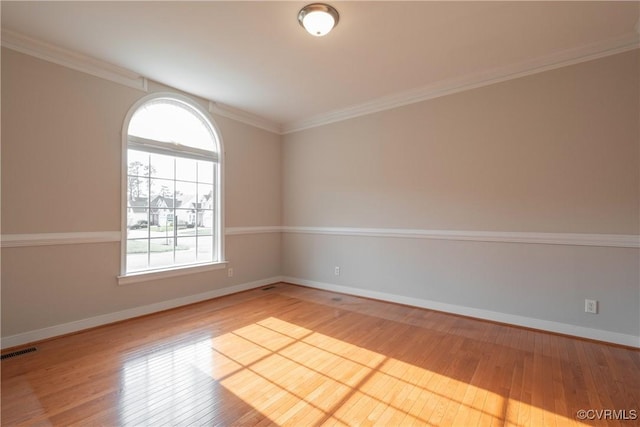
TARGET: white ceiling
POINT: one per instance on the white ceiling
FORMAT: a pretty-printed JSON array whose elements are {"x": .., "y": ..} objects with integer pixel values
[{"x": 255, "y": 57}]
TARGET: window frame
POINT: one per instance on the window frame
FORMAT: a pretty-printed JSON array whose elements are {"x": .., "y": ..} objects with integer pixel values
[{"x": 181, "y": 151}]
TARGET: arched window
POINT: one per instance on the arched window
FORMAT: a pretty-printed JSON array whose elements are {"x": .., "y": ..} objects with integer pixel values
[{"x": 173, "y": 186}]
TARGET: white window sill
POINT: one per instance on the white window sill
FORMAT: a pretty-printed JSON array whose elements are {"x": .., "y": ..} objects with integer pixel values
[{"x": 144, "y": 276}]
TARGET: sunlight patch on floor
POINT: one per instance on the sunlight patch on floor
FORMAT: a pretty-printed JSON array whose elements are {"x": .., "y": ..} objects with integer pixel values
[{"x": 297, "y": 376}]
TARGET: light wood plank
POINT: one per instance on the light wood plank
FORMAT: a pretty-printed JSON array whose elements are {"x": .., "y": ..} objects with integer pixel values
[{"x": 299, "y": 356}]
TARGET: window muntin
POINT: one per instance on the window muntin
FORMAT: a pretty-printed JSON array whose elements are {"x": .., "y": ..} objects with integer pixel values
[{"x": 173, "y": 188}]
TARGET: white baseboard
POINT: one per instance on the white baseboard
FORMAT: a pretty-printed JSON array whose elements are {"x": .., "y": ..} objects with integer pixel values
[
  {"x": 528, "y": 322},
  {"x": 511, "y": 319},
  {"x": 104, "y": 319}
]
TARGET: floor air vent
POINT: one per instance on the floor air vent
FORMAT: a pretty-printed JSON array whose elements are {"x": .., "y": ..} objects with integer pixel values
[
  {"x": 18, "y": 353},
  {"x": 267, "y": 288}
]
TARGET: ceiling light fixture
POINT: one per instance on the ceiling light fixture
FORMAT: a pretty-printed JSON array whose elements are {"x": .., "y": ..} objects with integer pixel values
[{"x": 318, "y": 18}]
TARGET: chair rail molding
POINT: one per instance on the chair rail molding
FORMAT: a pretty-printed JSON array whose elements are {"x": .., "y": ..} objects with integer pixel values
[{"x": 572, "y": 239}]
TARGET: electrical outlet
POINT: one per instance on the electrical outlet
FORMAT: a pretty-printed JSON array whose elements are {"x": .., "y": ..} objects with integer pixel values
[
  {"x": 591, "y": 306},
  {"x": 230, "y": 272},
  {"x": 336, "y": 271}
]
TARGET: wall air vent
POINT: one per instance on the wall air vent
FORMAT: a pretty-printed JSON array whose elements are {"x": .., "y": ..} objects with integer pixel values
[{"x": 18, "y": 353}]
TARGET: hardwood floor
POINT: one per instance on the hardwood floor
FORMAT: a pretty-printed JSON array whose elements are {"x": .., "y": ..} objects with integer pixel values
[{"x": 297, "y": 356}]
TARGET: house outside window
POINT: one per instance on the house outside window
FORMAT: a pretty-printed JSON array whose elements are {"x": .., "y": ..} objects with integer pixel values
[{"x": 173, "y": 212}]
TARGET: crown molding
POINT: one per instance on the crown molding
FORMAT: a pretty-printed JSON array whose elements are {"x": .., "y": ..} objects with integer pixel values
[
  {"x": 70, "y": 59},
  {"x": 244, "y": 117},
  {"x": 95, "y": 67},
  {"x": 67, "y": 58},
  {"x": 553, "y": 61}
]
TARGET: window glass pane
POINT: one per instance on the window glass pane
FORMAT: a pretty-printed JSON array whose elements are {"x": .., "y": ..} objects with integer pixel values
[
  {"x": 138, "y": 163},
  {"x": 184, "y": 217},
  {"x": 137, "y": 191},
  {"x": 137, "y": 254},
  {"x": 205, "y": 172},
  {"x": 185, "y": 195},
  {"x": 186, "y": 250},
  {"x": 205, "y": 196},
  {"x": 162, "y": 188},
  {"x": 186, "y": 169},
  {"x": 172, "y": 121},
  {"x": 162, "y": 202},
  {"x": 189, "y": 225},
  {"x": 205, "y": 223},
  {"x": 161, "y": 252},
  {"x": 205, "y": 252},
  {"x": 137, "y": 223},
  {"x": 163, "y": 233},
  {"x": 162, "y": 166}
]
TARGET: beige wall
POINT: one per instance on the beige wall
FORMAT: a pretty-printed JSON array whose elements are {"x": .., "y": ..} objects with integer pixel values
[
  {"x": 61, "y": 166},
  {"x": 61, "y": 147},
  {"x": 253, "y": 172},
  {"x": 554, "y": 152}
]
